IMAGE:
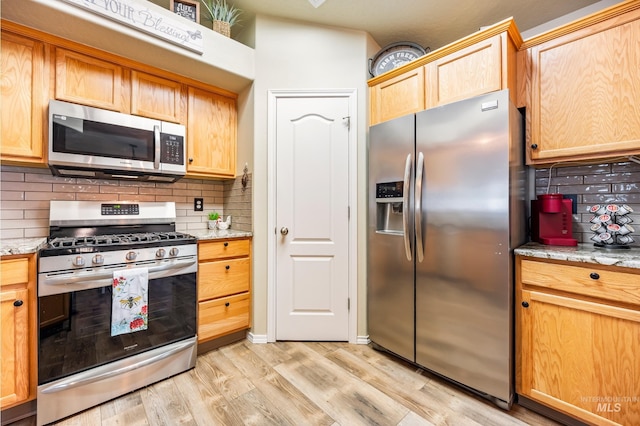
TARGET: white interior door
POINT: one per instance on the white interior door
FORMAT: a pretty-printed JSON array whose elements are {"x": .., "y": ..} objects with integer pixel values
[{"x": 312, "y": 218}]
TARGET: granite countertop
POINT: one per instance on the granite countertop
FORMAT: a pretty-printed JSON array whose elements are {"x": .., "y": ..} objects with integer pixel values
[
  {"x": 583, "y": 253},
  {"x": 217, "y": 234},
  {"x": 21, "y": 245}
]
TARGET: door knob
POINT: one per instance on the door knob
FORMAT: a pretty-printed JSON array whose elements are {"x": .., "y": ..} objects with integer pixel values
[{"x": 284, "y": 231}]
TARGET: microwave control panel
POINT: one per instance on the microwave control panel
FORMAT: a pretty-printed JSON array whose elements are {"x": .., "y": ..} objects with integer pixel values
[{"x": 172, "y": 151}]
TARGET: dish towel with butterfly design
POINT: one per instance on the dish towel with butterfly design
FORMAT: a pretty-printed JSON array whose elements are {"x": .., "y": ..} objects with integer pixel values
[{"x": 129, "y": 310}]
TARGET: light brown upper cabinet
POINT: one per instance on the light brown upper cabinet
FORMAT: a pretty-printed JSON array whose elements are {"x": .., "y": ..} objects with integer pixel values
[
  {"x": 156, "y": 97},
  {"x": 211, "y": 134},
  {"x": 481, "y": 63},
  {"x": 37, "y": 67},
  {"x": 472, "y": 71},
  {"x": 90, "y": 81},
  {"x": 398, "y": 96},
  {"x": 584, "y": 88},
  {"x": 24, "y": 99}
]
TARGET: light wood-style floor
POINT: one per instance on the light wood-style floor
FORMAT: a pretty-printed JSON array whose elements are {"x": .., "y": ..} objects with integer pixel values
[{"x": 301, "y": 383}]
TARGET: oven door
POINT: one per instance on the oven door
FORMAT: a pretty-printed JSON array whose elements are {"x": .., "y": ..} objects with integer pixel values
[{"x": 75, "y": 326}]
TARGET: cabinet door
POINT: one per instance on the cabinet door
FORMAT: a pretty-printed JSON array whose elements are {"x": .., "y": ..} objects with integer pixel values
[
  {"x": 468, "y": 72},
  {"x": 14, "y": 356},
  {"x": 24, "y": 99},
  {"x": 156, "y": 97},
  {"x": 580, "y": 357},
  {"x": 89, "y": 81},
  {"x": 586, "y": 94},
  {"x": 397, "y": 96},
  {"x": 211, "y": 134}
]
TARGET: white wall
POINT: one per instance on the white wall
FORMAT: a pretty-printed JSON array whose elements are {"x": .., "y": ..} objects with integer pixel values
[
  {"x": 580, "y": 13},
  {"x": 295, "y": 55}
]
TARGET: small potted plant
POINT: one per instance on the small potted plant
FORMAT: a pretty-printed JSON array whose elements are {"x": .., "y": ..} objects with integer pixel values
[
  {"x": 222, "y": 14},
  {"x": 213, "y": 220}
]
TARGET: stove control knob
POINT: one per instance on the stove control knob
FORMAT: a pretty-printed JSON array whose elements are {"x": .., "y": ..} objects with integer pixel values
[
  {"x": 160, "y": 253},
  {"x": 98, "y": 259},
  {"x": 131, "y": 255},
  {"x": 78, "y": 261},
  {"x": 174, "y": 251}
]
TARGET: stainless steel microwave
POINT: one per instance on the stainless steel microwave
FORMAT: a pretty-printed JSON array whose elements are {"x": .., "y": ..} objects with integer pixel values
[{"x": 97, "y": 143}]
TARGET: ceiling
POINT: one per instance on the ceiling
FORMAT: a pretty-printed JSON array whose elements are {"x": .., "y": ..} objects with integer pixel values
[{"x": 430, "y": 23}]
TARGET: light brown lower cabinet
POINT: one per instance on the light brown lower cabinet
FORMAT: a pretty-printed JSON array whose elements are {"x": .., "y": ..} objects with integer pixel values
[
  {"x": 18, "y": 337},
  {"x": 224, "y": 287},
  {"x": 578, "y": 339}
]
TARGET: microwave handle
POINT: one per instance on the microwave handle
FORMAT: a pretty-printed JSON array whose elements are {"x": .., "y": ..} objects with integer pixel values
[{"x": 156, "y": 144}]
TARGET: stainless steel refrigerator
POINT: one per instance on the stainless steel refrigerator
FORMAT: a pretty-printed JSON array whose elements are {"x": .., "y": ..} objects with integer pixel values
[{"x": 446, "y": 209}]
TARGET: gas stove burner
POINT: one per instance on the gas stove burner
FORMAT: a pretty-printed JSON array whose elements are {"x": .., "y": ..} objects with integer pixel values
[
  {"x": 59, "y": 246},
  {"x": 117, "y": 239}
]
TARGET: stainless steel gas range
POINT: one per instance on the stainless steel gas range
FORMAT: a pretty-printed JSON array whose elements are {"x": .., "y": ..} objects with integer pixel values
[{"x": 116, "y": 301}]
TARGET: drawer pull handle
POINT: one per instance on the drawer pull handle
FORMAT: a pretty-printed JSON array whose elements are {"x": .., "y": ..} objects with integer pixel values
[
  {"x": 525, "y": 304},
  {"x": 594, "y": 275},
  {"x": 226, "y": 304},
  {"x": 227, "y": 267},
  {"x": 226, "y": 244},
  {"x": 18, "y": 303}
]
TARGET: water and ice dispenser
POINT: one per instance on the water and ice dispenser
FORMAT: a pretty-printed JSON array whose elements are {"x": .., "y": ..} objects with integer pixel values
[{"x": 389, "y": 207}]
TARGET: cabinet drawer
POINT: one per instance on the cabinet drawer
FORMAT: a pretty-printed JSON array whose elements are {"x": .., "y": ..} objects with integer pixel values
[
  {"x": 223, "y": 249},
  {"x": 583, "y": 280},
  {"x": 15, "y": 271},
  {"x": 223, "y": 278},
  {"x": 223, "y": 316}
]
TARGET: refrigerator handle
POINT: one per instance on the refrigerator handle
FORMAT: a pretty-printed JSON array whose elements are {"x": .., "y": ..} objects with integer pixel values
[
  {"x": 418, "y": 208},
  {"x": 405, "y": 207}
]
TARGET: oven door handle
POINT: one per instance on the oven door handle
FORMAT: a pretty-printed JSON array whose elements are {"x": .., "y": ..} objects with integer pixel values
[
  {"x": 96, "y": 276},
  {"x": 90, "y": 378}
]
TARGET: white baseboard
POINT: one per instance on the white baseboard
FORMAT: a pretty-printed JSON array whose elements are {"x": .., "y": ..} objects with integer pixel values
[
  {"x": 363, "y": 340},
  {"x": 257, "y": 338},
  {"x": 262, "y": 338}
]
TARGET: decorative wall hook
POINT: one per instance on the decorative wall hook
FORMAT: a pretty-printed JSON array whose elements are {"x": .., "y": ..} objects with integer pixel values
[{"x": 245, "y": 177}]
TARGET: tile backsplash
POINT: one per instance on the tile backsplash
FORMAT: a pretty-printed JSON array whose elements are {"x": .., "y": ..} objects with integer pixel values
[
  {"x": 607, "y": 183},
  {"x": 25, "y": 193}
]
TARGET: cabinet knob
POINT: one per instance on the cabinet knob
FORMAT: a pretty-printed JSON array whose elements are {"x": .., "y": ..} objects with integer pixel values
[
  {"x": 191, "y": 159},
  {"x": 18, "y": 303},
  {"x": 594, "y": 275},
  {"x": 226, "y": 304},
  {"x": 534, "y": 146},
  {"x": 525, "y": 304},
  {"x": 226, "y": 244},
  {"x": 227, "y": 267}
]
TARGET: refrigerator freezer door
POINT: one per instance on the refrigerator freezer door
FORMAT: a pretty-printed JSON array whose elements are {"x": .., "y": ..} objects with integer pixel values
[
  {"x": 463, "y": 286},
  {"x": 390, "y": 288}
]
